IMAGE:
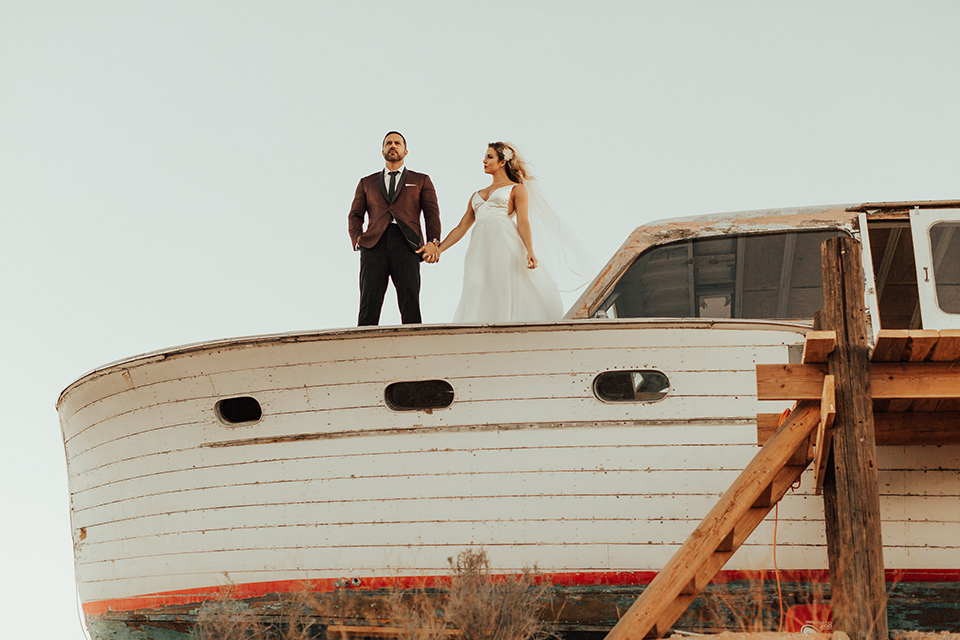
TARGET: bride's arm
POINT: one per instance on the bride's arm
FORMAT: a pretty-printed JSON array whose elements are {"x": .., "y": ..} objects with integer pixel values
[
  {"x": 521, "y": 204},
  {"x": 461, "y": 229}
]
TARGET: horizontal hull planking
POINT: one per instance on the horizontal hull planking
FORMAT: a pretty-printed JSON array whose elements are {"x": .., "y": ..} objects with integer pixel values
[{"x": 172, "y": 502}]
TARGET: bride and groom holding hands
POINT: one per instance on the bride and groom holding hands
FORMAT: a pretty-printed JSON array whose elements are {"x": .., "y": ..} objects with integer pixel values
[{"x": 503, "y": 279}]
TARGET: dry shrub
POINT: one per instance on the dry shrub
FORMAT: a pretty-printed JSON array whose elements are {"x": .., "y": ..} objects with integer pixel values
[
  {"x": 477, "y": 606},
  {"x": 297, "y": 615},
  {"x": 227, "y": 618},
  {"x": 745, "y": 609},
  {"x": 484, "y": 608},
  {"x": 418, "y": 614}
]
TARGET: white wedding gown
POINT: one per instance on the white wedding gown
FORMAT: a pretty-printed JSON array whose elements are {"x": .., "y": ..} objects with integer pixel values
[{"x": 497, "y": 286}]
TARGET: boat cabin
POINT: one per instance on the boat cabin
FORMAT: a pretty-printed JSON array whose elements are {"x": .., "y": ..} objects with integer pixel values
[{"x": 766, "y": 265}]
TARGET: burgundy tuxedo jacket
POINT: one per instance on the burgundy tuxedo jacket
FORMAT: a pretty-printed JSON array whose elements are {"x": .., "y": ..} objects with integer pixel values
[{"x": 415, "y": 193}]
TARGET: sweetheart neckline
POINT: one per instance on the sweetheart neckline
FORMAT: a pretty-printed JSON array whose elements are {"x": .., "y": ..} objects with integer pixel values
[{"x": 512, "y": 184}]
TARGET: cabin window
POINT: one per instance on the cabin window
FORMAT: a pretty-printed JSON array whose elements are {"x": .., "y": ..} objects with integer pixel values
[
  {"x": 895, "y": 274},
  {"x": 945, "y": 247},
  {"x": 631, "y": 386},
  {"x": 421, "y": 395},
  {"x": 238, "y": 411},
  {"x": 768, "y": 276}
]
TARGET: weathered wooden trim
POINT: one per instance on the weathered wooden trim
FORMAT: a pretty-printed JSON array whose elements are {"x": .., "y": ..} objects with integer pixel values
[{"x": 906, "y": 206}]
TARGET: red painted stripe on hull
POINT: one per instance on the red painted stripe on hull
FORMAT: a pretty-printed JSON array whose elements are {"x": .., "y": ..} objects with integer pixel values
[{"x": 568, "y": 579}]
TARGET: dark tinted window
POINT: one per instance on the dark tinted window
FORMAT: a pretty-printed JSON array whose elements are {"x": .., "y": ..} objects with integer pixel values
[
  {"x": 238, "y": 410},
  {"x": 774, "y": 275},
  {"x": 419, "y": 395},
  {"x": 945, "y": 246},
  {"x": 631, "y": 386}
]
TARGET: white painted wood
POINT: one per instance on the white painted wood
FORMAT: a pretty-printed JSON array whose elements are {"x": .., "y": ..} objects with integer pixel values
[
  {"x": 934, "y": 317},
  {"x": 526, "y": 462}
]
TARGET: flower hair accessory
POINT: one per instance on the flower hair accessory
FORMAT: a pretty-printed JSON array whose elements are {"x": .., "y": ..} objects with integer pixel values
[{"x": 507, "y": 154}]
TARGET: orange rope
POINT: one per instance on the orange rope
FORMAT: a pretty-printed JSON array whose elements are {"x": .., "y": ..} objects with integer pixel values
[
  {"x": 776, "y": 521},
  {"x": 776, "y": 570}
]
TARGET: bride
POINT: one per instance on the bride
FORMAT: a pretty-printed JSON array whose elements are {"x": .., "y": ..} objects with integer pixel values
[{"x": 503, "y": 281}]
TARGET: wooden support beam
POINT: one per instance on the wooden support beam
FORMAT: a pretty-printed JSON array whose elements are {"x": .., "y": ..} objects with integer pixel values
[
  {"x": 888, "y": 380},
  {"x": 948, "y": 346},
  {"x": 934, "y": 380},
  {"x": 902, "y": 345},
  {"x": 790, "y": 381},
  {"x": 828, "y": 412},
  {"x": 892, "y": 429},
  {"x": 850, "y": 487},
  {"x": 818, "y": 346}
]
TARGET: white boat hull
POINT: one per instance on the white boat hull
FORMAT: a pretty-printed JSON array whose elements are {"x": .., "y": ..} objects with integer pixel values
[{"x": 170, "y": 505}]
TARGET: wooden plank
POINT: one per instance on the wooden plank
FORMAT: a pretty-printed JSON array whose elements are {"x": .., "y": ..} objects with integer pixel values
[
  {"x": 828, "y": 412},
  {"x": 888, "y": 380},
  {"x": 698, "y": 560},
  {"x": 850, "y": 486},
  {"x": 890, "y": 346},
  {"x": 948, "y": 346},
  {"x": 935, "y": 380},
  {"x": 926, "y": 428},
  {"x": 920, "y": 344},
  {"x": 790, "y": 381},
  {"x": 818, "y": 345},
  {"x": 892, "y": 429}
]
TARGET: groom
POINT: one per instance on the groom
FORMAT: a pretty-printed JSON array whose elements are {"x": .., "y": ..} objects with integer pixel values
[{"x": 392, "y": 244}]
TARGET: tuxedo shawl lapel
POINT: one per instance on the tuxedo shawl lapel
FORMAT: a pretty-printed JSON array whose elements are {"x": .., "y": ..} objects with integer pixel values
[
  {"x": 383, "y": 187},
  {"x": 401, "y": 179}
]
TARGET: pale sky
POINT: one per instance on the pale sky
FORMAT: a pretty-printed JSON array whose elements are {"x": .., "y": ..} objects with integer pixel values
[{"x": 175, "y": 172}]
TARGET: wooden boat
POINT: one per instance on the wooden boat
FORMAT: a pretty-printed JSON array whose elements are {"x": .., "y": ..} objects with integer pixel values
[{"x": 347, "y": 462}]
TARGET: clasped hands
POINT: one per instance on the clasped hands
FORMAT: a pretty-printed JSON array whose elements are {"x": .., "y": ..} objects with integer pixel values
[{"x": 430, "y": 252}]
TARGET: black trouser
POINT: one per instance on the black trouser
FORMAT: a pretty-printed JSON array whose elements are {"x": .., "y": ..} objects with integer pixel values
[{"x": 391, "y": 258}]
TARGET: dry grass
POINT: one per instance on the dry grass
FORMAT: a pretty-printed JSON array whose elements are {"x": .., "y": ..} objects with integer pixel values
[
  {"x": 484, "y": 608},
  {"x": 476, "y": 604},
  {"x": 227, "y": 618}
]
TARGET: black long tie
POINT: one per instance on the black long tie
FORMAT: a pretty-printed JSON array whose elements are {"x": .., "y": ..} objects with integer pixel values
[{"x": 393, "y": 185}]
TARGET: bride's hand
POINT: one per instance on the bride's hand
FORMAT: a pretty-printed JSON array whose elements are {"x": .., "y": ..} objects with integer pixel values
[{"x": 531, "y": 260}]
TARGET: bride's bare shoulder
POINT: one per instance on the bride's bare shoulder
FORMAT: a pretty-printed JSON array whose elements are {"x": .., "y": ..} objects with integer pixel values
[{"x": 518, "y": 191}]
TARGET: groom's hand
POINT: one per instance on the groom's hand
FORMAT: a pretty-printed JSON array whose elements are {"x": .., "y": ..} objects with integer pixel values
[{"x": 430, "y": 252}]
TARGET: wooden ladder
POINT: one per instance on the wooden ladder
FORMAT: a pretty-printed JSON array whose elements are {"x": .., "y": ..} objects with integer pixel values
[{"x": 742, "y": 508}]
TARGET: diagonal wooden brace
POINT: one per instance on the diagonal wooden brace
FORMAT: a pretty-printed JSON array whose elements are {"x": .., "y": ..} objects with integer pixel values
[{"x": 828, "y": 412}]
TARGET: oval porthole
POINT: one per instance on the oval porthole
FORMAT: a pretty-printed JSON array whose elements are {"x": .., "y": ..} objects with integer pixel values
[
  {"x": 631, "y": 386},
  {"x": 237, "y": 411},
  {"x": 420, "y": 395}
]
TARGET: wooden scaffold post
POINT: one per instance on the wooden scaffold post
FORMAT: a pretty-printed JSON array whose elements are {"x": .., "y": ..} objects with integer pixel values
[{"x": 850, "y": 489}]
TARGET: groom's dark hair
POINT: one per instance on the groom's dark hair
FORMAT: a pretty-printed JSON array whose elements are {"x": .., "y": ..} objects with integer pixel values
[{"x": 396, "y": 132}]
